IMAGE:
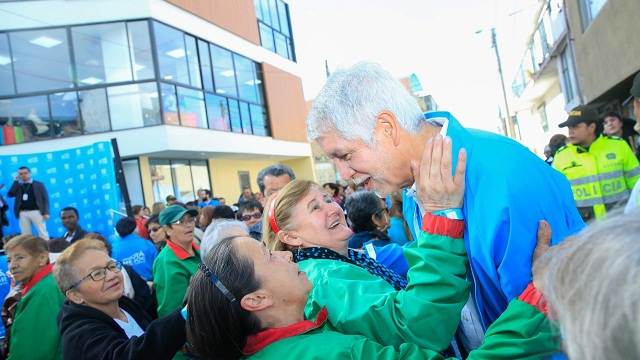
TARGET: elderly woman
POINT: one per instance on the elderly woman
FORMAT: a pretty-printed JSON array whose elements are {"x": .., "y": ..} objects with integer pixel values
[
  {"x": 97, "y": 321},
  {"x": 34, "y": 334},
  {"x": 221, "y": 229},
  {"x": 592, "y": 284}
]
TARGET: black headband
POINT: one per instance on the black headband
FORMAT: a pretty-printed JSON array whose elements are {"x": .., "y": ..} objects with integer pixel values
[{"x": 214, "y": 279}]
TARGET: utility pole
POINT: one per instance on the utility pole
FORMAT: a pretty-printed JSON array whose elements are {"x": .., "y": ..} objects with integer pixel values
[{"x": 511, "y": 125}]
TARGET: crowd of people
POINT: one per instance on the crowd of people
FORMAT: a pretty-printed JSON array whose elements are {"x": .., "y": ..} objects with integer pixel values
[{"x": 430, "y": 252}]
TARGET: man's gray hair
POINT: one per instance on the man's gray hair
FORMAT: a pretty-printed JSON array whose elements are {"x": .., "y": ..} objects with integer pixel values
[
  {"x": 273, "y": 170},
  {"x": 592, "y": 285},
  {"x": 220, "y": 229},
  {"x": 351, "y": 100}
]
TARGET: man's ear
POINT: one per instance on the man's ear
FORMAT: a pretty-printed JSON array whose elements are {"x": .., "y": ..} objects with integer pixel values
[
  {"x": 387, "y": 127},
  {"x": 289, "y": 239},
  {"x": 73, "y": 296},
  {"x": 256, "y": 301}
]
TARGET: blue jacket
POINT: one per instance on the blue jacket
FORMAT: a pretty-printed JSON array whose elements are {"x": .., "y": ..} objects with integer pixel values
[
  {"x": 137, "y": 252},
  {"x": 508, "y": 191}
]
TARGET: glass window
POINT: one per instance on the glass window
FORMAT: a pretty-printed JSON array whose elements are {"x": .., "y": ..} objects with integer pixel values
[
  {"x": 64, "y": 114},
  {"x": 259, "y": 83},
  {"x": 7, "y": 86},
  {"x": 192, "y": 60},
  {"x": 234, "y": 116},
  {"x": 169, "y": 104},
  {"x": 273, "y": 9},
  {"x": 132, "y": 106},
  {"x": 258, "y": 7},
  {"x": 30, "y": 114},
  {"x": 266, "y": 16},
  {"x": 266, "y": 37},
  {"x": 284, "y": 19},
  {"x": 183, "y": 181},
  {"x": 140, "y": 50},
  {"x": 200, "y": 174},
  {"x": 41, "y": 60},
  {"x": 217, "y": 112},
  {"x": 172, "y": 54},
  {"x": 101, "y": 54},
  {"x": 192, "y": 109},
  {"x": 245, "y": 117},
  {"x": 94, "y": 110},
  {"x": 205, "y": 65},
  {"x": 245, "y": 74},
  {"x": 258, "y": 120},
  {"x": 161, "y": 180},
  {"x": 223, "y": 71},
  {"x": 282, "y": 47}
]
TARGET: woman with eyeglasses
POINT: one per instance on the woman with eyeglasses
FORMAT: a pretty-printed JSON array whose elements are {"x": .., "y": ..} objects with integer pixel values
[
  {"x": 97, "y": 321},
  {"x": 177, "y": 262},
  {"x": 156, "y": 232},
  {"x": 34, "y": 334}
]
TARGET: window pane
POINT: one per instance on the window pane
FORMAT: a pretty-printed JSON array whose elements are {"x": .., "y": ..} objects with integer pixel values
[
  {"x": 217, "y": 112},
  {"x": 30, "y": 115},
  {"x": 266, "y": 37},
  {"x": 245, "y": 117},
  {"x": 266, "y": 16},
  {"x": 64, "y": 114},
  {"x": 246, "y": 78},
  {"x": 41, "y": 60},
  {"x": 282, "y": 15},
  {"x": 183, "y": 180},
  {"x": 6, "y": 67},
  {"x": 161, "y": 181},
  {"x": 172, "y": 55},
  {"x": 94, "y": 110},
  {"x": 234, "y": 116},
  {"x": 200, "y": 174},
  {"x": 101, "y": 54},
  {"x": 259, "y": 83},
  {"x": 223, "y": 72},
  {"x": 140, "y": 50},
  {"x": 257, "y": 120},
  {"x": 192, "y": 60},
  {"x": 169, "y": 104},
  {"x": 273, "y": 9},
  {"x": 257, "y": 6},
  {"x": 282, "y": 47},
  {"x": 192, "y": 110},
  {"x": 132, "y": 106},
  {"x": 205, "y": 65}
]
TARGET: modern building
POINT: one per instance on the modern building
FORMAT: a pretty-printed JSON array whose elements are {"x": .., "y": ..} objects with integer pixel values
[
  {"x": 578, "y": 52},
  {"x": 198, "y": 94}
]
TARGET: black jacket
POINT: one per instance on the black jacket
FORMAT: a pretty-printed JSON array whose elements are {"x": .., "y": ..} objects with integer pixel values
[
  {"x": 42, "y": 198},
  {"x": 88, "y": 333},
  {"x": 80, "y": 233}
]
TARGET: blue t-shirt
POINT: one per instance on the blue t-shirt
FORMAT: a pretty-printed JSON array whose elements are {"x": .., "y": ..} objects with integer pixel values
[
  {"x": 137, "y": 252},
  {"x": 5, "y": 284},
  {"x": 212, "y": 202}
]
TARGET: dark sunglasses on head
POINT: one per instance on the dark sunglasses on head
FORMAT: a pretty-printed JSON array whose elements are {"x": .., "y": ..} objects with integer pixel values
[{"x": 248, "y": 217}]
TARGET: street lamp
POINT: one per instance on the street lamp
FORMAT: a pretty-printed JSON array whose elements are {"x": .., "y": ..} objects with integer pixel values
[{"x": 510, "y": 123}]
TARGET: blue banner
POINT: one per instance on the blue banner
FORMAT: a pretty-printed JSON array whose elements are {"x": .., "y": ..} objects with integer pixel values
[{"x": 83, "y": 178}]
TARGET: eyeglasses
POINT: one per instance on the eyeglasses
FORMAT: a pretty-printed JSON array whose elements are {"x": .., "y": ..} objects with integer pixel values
[
  {"x": 154, "y": 229},
  {"x": 185, "y": 222},
  {"x": 100, "y": 273},
  {"x": 248, "y": 217}
]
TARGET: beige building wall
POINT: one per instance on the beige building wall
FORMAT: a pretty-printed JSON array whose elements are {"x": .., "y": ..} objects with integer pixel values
[
  {"x": 303, "y": 168},
  {"x": 608, "y": 50},
  {"x": 145, "y": 177}
]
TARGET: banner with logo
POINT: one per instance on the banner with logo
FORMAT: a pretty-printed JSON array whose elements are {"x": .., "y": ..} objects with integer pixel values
[{"x": 83, "y": 178}]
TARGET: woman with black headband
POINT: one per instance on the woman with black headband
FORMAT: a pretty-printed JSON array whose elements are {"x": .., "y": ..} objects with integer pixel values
[{"x": 249, "y": 301}]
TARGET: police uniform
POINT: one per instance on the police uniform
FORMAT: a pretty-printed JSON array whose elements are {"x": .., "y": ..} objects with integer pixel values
[{"x": 602, "y": 175}]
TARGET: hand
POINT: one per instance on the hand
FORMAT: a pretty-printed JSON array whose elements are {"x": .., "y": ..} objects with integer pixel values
[
  {"x": 544, "y": 239},
  {"x": 46, "y": 217},
  {"x": 437, "y": 189},
  {"x": 16, "y": 178},
  {"x": 543, "y": 253}
]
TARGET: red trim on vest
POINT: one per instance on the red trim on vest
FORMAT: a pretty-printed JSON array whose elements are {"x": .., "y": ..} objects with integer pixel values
[
  {"x": 535, "y": 298},
  {"x": 180, "y": 253},
  {"x": 267, "y": 337},
  {"x": 39, "y": 275},
  {"x": 440, "y": 225}
]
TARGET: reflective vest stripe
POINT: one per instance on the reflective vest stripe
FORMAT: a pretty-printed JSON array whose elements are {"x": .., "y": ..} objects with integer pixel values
[
  {"x": 584, "y": 180},
  {"x": 633, "y": 172},
  {"x": 603, "y": 200},
  {"x": 589, "y": 202},
  {"x": 611, "y": 175}
]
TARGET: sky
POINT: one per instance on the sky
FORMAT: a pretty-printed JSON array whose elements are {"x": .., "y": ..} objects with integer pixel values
[{"x": 434, "y": 39}]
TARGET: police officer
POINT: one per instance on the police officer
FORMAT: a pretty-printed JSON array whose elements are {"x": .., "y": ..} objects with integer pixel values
[{"x": 602, "y": 170}]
